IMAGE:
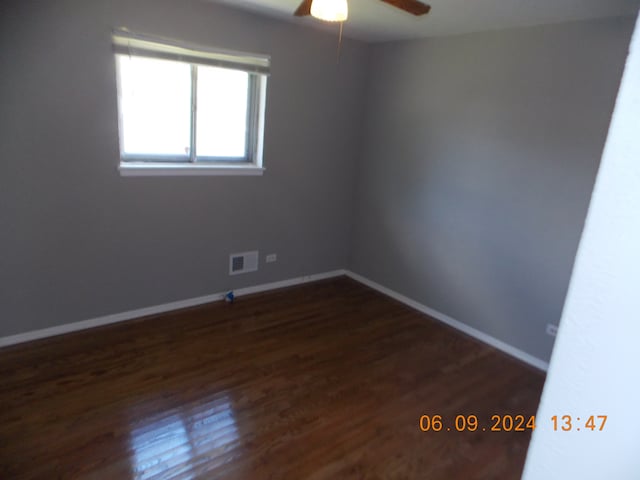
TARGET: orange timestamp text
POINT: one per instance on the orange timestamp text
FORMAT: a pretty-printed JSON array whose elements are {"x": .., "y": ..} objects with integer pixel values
[
  {"x": 470, "y": 423},
  {"x": 509, "y": 423},
  {"x": 568, "y": 423}
]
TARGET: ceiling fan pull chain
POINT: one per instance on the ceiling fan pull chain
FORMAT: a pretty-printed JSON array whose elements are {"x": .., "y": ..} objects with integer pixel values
[{"x": 339, "y": 43}]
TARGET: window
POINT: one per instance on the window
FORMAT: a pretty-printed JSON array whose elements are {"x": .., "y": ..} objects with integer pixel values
[{"x": 188, "y": 111}]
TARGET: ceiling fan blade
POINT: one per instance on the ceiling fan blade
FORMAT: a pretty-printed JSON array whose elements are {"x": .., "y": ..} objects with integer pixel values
[
  {"x": 412, "y": 6},
  {"x": 304, "y": 9}
]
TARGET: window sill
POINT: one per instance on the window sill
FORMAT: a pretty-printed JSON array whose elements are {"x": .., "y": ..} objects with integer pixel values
[{"x": 148, "y": 169}]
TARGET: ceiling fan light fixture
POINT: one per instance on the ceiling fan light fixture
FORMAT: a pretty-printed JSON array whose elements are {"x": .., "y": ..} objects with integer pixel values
[{"x": 330, "y": 10}]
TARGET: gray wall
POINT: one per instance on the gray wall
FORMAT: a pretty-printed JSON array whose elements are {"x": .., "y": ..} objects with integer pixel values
[
  {"x": 474, "y": 167},
  {"x": 78, "y": 241},
  {"x": 479, "y": 158}
]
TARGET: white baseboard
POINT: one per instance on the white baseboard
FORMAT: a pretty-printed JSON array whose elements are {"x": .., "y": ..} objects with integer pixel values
[
  {"x": 191, "y": 302},
  {"x": 463, "y": 327},
  {"x": 165, "y": 307}
]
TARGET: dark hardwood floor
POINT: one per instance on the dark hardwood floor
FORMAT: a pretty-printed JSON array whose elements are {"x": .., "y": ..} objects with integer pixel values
[{"x": 322, "y": 381}]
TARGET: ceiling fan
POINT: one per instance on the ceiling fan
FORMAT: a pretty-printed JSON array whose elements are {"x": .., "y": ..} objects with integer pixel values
[{"x": 339, "y": 9}]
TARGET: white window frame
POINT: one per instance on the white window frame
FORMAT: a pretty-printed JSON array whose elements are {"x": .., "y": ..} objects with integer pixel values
[{"x": 258, "y": 68}]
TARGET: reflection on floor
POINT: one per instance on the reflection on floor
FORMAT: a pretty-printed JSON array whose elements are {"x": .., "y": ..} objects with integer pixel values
[
  {"x": 168, "y": 443},
  {"x": 323, "y": 381}
]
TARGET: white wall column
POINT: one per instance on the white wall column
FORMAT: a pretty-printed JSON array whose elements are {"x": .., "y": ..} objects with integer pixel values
[{"x": 595, "y": 366}]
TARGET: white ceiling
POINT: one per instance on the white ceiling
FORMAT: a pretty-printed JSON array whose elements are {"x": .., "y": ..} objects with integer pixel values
[{"x": 375, "y": 21}]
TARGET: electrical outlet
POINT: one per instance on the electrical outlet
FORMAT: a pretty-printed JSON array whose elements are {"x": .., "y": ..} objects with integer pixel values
[
  {"x": 271, "y": 258},
  {"x": 552, "y": 329}
]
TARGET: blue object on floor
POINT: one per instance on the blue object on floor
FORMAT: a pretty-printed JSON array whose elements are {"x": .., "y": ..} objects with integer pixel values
[{"x": 230, "y": 297}]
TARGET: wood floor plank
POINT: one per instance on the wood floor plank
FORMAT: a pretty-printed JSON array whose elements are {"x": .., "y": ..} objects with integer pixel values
[{"x": 322, "y": 381}]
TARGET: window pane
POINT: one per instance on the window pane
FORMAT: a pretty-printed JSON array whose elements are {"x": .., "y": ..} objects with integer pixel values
[
  {"x": 222, "y": 112},
  {"x": 155, "y": 105}
]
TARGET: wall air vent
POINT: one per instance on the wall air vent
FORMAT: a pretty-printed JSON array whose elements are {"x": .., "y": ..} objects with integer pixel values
[{"x": 243, "y": 262}]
